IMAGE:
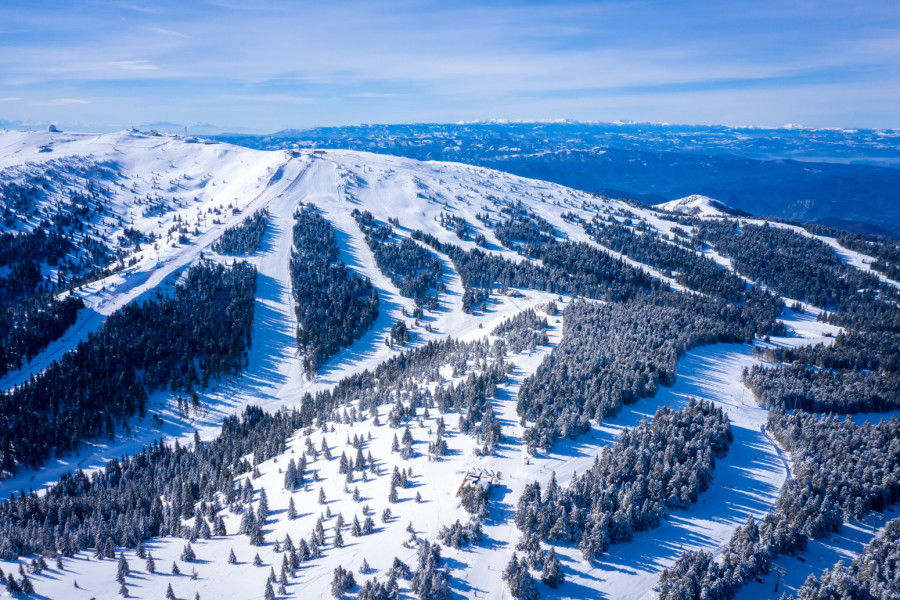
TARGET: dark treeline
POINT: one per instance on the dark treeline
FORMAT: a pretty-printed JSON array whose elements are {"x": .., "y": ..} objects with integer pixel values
[
  {"x": 793, "y": 264},
  {"x": 822, "y": 390},
  {"x": 854, "y": 350},
  {"x": 886, "y": 252},
  {"x": 202, "y": 331},
  {"x": 23, "y": 254},
  {"x": 566, "y": 268},
  {"x": 691, "y": 270},
  {"x": 27, "y": 326},
  {"x": 614, "y": 354},
  {"x": 580, "y": 269},
  {"x": 842, "y": 470},
  {"x": 334, "y": 305},
  {"x": 244, "y": 239},
  {"x": 658, "y": 466},
  {"x": 414, "y": 270},
  {"x": 873, "y": 575},
  {"x": 859, "y": 372}
]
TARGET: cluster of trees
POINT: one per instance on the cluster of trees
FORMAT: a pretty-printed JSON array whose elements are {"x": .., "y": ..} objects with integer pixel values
[
  {"x": 822, "y": 390},
  {"x": 581, "y": 269},
  {"x": 22, "y": 255},
  {"x": 842, "y": 470},
  {"x": 885, "y": 251},
  {"x": 31, "y": 316},
  {"x": 525, "y": 331},
  {"x": 795, "y": 265},
  {"x": 399, "y": 334},
  {"x": 395, "y": 381},
  {"x": 517, "y": 573},
  {"x": 871, "y": 576},
  {"x": 103, "y": 510},
  {"x": 414, "y": 270},
  {"x": 460, "y": 226},
  {"x": 202, "y": 331},
  {"x": 566, "y": 268},
  {"x": 342, "y": 581},
  {"x": 29, "y": 325},
  {"x": 854, "y": 350},
  {"x": 613, "y": 354},
  {"x": 135, "y": 237},
  {"x": 523, "y": 231},
  {"x": 63, "y": 198},
  {"x": 427, "y": 580},
  {"x": 244, "y": 239},
  {"x": 335, "y": 306},
  {"x": 659, "y": 465},
  {"x": 459, "y": 535},
  {"x": 518, "y": 578},
  {"x": 860, "y": 371},
  {"x": 690, "y": 269},
  {"x": 145, "y": 495},
  {"x": 17, "y": 587}
]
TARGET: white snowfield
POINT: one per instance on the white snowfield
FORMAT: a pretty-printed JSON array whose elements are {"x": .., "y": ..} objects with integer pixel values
[{"x": 199, "y": 178}]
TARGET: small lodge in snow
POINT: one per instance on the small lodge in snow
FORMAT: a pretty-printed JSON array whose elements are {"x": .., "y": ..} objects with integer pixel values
[{"x": 476, "y": 478}]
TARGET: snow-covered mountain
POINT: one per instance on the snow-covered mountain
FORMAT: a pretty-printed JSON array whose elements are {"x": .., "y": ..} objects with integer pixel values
[
  {"x": 696, "y": 205},
  {"x": 511, "y": 269},
  {"x": 804, "y": 175}
]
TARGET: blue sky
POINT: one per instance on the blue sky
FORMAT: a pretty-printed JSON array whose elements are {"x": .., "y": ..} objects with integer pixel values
[{"x": 271, "y": 64}]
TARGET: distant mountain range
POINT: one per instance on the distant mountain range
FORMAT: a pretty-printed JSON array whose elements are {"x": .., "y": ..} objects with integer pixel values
[{"x": 842, "y": 178}]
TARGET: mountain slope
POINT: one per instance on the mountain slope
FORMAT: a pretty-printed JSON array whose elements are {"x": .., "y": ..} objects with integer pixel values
[{"x": 451, "y": 372}]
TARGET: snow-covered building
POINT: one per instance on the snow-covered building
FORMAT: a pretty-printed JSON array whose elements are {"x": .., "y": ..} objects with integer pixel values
[{"x": 476, "y": 478}]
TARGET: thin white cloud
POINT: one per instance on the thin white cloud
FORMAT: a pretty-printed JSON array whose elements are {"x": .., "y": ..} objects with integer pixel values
[
  {"x": 373, "y": 95},
  {"x": 132, "y": 65},
  {"x": 62, "y": 102},
  {"x": 273, "y": 98},
  {"x": 10, "y": 99},
  {"x": 170, "y": 32}
]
